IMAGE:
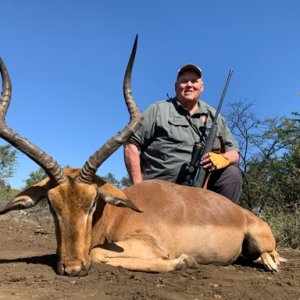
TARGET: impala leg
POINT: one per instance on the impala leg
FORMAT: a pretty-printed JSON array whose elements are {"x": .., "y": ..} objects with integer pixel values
[
  {"x": 271, "y": 260},
  {"x": 260, "y": 243},
  {"x": 137, "y": 255}
]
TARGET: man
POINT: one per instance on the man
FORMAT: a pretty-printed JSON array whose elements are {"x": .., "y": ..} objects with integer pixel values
[{"x": 170, "y": 129}]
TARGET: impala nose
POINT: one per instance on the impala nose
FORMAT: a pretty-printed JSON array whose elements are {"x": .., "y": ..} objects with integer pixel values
[{"x": 73, "y": 269}]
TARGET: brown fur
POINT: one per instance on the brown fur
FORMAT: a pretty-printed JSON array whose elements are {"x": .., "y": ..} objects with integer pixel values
[{"x": 176, "y": 226}]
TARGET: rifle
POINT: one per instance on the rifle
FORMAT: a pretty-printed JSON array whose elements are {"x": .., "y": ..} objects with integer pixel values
[{"x": 193, "y": 174}]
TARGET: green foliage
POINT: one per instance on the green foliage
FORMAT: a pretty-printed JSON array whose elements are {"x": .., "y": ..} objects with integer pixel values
[
  {"x": 286, "y": 227},
  {"x": 272, "y": 177},
  {"x": 7, "y": 162},
  {"x": 270, "y": 157},
  {"x": 6, "y": 192},
  {"x": 110, "y": 178},
  {"x": 7, "y": 168},
  {"x": 125, "y": 181}
]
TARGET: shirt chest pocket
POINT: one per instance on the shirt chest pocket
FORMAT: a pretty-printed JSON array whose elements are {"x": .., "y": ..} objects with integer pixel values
[{"x": 179, "y": 130}]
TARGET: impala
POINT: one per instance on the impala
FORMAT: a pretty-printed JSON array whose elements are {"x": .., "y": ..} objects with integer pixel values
[{"x": 152, "y": 226}]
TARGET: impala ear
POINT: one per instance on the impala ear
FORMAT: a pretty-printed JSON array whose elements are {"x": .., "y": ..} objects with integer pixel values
[
  {"x": 112, "y": 195},
  {"x": 29, "y": 197},
  {"x": 121, "y": 203}
]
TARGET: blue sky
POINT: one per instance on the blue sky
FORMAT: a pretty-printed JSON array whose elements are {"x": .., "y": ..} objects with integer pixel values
[{"x": 67, "y": 59}]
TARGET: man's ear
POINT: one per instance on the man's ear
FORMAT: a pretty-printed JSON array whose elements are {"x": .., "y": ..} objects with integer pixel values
[
  {"x": 112, "y": 195},
  {"x": 29, "y": 197},
  {"x": 202, "y": 89}
]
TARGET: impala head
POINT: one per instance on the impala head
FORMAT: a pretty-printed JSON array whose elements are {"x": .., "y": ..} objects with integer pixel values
[{"x": 73, "y": 194}]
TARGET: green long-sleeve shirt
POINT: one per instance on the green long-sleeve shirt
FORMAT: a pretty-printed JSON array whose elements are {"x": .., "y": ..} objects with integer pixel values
[{"x": 168, "y": 133}]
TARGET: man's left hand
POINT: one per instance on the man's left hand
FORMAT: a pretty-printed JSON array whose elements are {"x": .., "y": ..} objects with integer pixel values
[{"x": 214, "y": 161}]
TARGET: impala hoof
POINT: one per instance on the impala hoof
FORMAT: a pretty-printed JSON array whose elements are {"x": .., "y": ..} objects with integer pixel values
[{"x": 270, "y": 262}]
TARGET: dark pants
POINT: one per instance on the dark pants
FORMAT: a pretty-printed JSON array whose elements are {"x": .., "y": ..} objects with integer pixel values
[{"x": 227, "y": 182}]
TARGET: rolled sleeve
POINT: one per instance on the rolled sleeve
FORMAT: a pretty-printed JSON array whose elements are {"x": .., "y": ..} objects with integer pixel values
[{"x": 146, "y": 132}]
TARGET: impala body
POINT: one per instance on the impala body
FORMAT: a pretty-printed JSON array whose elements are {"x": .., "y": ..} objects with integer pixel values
[{"x": 153, "y": 226}]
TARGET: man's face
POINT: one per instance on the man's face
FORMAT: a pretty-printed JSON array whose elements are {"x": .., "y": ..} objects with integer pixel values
[{"x": 188, "y": 87}]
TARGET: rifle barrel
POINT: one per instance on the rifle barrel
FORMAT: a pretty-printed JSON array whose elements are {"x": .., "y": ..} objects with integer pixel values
[
  {"x": 201, "y": 172},
  {"x": 223, "y": 95}
]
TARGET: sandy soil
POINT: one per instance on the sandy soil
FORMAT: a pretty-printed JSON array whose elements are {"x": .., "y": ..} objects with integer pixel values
[{"x": 27, "y": 271}]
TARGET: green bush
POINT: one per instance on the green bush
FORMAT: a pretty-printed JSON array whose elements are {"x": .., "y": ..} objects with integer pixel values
[{"x": 285, "y": 227}]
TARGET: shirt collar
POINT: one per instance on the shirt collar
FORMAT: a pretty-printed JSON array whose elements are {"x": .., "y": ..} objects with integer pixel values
[{"x": 202, "y": 109}]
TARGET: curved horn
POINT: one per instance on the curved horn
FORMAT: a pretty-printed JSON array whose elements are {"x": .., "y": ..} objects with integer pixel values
[
  {"x": 50, "y": 166},
  {"x": 90, "y": 167}
]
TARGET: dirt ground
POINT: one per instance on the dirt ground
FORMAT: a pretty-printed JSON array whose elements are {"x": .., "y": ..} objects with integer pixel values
[{"x": 27, "y": 271}]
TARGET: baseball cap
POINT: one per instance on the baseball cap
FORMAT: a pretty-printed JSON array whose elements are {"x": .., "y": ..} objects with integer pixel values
[{"x": 190, "y": 67}]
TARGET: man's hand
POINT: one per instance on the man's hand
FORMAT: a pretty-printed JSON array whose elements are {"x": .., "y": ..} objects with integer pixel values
[{"x": 214, "y": 161}]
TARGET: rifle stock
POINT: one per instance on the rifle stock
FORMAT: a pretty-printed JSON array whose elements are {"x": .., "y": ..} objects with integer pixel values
[{"x": 200, "y": 174}]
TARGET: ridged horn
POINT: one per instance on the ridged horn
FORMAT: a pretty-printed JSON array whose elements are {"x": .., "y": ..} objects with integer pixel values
[
  {"x": 91, "y": 166},
  {"x": 50, "y": 166}
]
